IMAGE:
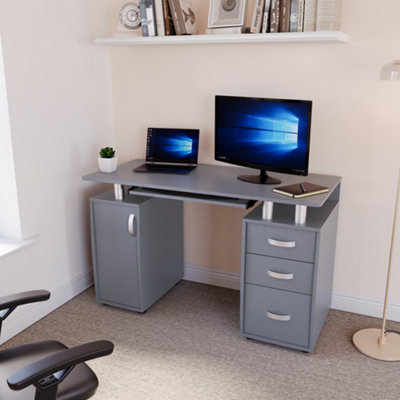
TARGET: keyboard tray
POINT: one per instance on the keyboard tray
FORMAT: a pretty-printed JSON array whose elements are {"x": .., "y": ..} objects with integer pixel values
[{"x": 197, "y": 197}]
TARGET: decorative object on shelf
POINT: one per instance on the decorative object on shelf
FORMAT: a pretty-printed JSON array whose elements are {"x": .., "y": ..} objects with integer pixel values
[
  {"x": 108, "y": 161},
  {"x": 183, "y": 17},
  {"x": 225, "y": 13},
  {"x": 129, "y": 20},
  {"x": 383, "y": 344}
]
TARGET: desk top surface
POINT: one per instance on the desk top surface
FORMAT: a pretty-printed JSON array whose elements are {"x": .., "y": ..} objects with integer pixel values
[{"x": 217, "y": 180}]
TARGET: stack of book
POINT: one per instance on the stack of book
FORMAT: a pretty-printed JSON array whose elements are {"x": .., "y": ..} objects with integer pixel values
[
  {"x": 167, "y": 17},
  {"x": 295, "y": 15},
  {"x": 328, "y": 15}
]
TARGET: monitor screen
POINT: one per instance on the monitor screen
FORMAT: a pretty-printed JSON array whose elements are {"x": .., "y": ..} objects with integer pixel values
[
  {"x": 172, "y": 145},
  {"x": 267, "y": 134}
]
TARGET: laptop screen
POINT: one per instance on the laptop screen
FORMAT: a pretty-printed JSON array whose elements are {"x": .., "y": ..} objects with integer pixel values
[{"x": 167, "y": 145}]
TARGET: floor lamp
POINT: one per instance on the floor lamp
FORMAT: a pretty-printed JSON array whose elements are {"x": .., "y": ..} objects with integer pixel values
[{"x": 379, "y": 343}]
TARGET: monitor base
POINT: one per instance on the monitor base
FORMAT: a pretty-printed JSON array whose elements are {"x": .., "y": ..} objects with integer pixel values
[{"x": 263, "y": 178}]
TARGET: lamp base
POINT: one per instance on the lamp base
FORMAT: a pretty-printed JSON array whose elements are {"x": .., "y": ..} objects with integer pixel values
[{"x": 367, "y": 342}]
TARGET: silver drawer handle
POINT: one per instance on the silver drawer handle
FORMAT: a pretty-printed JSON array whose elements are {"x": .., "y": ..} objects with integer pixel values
[
  {"x": 280, "y": 243},
  {"x": 278, "y": 317},
  {"x": 131, "y": 220},
  {"x": 278, "y": 275}
]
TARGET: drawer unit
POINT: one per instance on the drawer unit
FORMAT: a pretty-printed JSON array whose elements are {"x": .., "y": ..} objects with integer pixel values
[
  {"x": 287, "y": 243},
  {"x": 295, "y": 276},
  {"x": 287, "y": 274},
  {"x": 277, "y": 314}
]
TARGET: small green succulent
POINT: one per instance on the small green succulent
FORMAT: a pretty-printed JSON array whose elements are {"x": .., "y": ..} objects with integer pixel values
[{"x": 107, "y": 152}]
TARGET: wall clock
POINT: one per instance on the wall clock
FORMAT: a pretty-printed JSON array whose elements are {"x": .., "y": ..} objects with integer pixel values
[{"x": 129, "y": 17}]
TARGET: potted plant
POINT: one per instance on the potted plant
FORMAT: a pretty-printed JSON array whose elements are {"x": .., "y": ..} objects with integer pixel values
[{"x": 108, "y": 161}]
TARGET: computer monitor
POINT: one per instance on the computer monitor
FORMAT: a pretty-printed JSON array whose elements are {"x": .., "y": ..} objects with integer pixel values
[{"x": 266, "y": 134}]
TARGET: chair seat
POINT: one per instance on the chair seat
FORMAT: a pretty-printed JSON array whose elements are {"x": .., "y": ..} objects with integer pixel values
[{"x": 80, "y": 384}]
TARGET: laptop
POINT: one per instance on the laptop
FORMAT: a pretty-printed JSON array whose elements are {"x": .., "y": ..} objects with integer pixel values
[{"x": 171, "y": 151}]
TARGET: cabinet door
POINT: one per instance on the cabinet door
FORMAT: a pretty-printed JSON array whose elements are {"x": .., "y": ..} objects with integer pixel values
[{"x": 115, "y": 253}]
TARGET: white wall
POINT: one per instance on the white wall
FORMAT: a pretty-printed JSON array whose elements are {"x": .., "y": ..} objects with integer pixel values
[
  {"x": 59, "y": 95},
  {"x": 355, "y": 128}
]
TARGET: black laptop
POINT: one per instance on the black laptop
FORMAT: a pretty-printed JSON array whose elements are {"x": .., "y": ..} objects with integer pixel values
[{"x": 172, "y": 151}]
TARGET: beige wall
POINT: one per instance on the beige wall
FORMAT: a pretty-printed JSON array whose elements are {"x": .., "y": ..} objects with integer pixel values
[{"x": 355, "y": 127}]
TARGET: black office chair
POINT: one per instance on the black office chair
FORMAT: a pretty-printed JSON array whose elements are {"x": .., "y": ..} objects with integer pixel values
[{"x": 46, "y": 370}]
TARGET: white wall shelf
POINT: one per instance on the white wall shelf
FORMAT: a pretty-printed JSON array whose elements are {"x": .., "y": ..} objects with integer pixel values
[{"x": 292, "y": 37}]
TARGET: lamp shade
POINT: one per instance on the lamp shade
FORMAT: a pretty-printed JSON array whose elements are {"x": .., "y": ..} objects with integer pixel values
[{"x": 391, "y": 72}]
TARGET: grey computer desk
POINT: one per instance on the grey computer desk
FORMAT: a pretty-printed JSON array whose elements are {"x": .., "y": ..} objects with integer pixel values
[{"x": 288, "y": 245}]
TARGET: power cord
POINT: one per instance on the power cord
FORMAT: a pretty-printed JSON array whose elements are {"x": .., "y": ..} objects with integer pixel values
[{"x": 389, "y": 330}]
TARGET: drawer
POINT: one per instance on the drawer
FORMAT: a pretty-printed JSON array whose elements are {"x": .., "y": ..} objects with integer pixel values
[
  {"x": 277, "y": 314},
  {"x": 288, "y": 243},
  {"x": 279, "y": 273}
]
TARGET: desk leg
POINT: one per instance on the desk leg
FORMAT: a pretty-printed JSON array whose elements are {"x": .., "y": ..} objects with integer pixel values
[
  {"x": 300, "y": 215},
  {"x": 267, "y": 210},
  {"x": 118, "y": 191}
]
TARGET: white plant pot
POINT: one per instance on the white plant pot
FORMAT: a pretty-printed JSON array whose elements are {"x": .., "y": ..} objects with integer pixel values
[{"x": 108, "y": 164}]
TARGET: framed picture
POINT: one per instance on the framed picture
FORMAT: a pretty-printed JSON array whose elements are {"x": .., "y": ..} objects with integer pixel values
[{"x": 225, "y": 13}]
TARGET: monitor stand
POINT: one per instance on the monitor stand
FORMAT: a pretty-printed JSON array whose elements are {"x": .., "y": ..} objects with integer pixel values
[{"x": 263, "y": 178}]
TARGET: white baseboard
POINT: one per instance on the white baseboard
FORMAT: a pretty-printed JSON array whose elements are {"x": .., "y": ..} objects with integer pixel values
[
  {"x": 26, "y": 315},
  {"x": 340, "y": 301},
  {"x": 212, "y": 276}
]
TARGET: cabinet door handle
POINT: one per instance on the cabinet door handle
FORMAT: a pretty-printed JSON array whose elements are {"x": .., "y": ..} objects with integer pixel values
[
  {"x": 278, "y": 275},
  {"x": 281, "y": 243},
  {"x": 278, "y": 317},
  {"x": 131, "y": 221}
]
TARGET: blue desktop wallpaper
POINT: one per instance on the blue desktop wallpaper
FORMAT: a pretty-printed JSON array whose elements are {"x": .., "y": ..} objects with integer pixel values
[
  {"x": 270, "y": 133},
  {"x": 172, "y": 145}
]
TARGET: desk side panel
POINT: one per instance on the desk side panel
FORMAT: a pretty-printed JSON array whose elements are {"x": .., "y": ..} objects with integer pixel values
[
  {"x": 323, "y": 275},
  {"x": 160, "y": 247}
]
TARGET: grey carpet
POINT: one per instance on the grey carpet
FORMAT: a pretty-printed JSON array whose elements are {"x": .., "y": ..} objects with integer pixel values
[{"x": 187, "y": 346}]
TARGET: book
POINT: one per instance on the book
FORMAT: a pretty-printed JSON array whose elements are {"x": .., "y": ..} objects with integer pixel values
[
  {"x": 168, "y": 23},
  {"x": 183, "y": 17},
  {"x": 265, "y": 24},
  {"x": 159, "y": 17},
  {"x": 274, "y": 16},
  {"x": 300, "y": 20},
  {"x": 328, "y": 15},
  {"x": 256, "y": 21},
  {"x": 147, "y": 15},
  {"x": 284, "y": 16},
  {"x": 228, "y": 30},
  {"x": 296, "y": 15},
  {"x": 310, "y": 15},
  {"x": 299, "y": 190}
]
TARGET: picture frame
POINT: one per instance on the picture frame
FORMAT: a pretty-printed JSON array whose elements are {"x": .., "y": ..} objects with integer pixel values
[{"x": 226, "y": 13}]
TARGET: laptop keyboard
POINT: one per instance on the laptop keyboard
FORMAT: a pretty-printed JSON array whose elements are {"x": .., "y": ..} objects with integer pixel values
[{"x": 168, "y": 169}]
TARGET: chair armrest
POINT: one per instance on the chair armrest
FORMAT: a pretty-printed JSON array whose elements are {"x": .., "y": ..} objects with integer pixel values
[
  {"x": 17, "y": 299},
  {"x": 63, "y": 361}
]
